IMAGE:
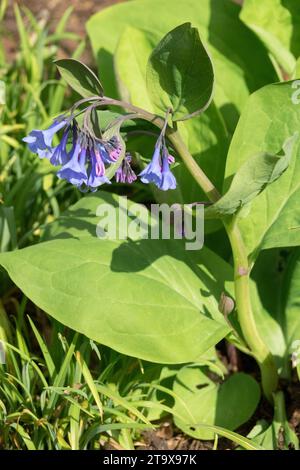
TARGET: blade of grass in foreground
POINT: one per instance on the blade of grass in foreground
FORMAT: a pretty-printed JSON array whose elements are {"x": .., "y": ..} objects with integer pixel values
[
  {"x": 24, "y": 436},
  {"x": 45, "y": 351},
  {"x": 60, "y": 378},
  {"x": 90, "y": 382},
  {"x": 233, "y": 436}
]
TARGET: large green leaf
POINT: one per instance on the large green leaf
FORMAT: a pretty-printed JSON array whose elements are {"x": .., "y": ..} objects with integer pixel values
[
  {"x": 269, "y": 118},
  {"x": 277, "y": 307},
  {"x": 130, "y": 60},
  {"x": 180, "y": 74},
  {"x": 146, "y": 298},
  {"x": 199, "y": 400},
  {"x": 297, "y": 69},
  {"x": 219, "y": 26},
  {"x": 276, "y": 23}
]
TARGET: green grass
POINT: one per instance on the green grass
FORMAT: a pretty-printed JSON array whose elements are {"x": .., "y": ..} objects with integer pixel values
[
  {"x": 29, "y": 195},
  {"x": 65, "y": 395}
]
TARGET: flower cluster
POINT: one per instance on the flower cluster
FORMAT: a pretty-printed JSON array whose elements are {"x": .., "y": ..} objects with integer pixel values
[{"x": 84, "y": 158}]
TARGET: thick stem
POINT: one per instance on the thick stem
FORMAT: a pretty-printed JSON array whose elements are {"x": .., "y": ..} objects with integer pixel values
[
  {"x": 199, "y": 175},
  {"x": 279, "y": 407},
  {"x": 245, "y": 312}
]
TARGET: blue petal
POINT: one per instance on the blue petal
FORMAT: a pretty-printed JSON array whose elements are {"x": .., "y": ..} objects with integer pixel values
[
  {"x": 168, "y": 180},
  {"x": 152, "y": 172},
  {"x": 74, "y": 171},
  {"x": 104, "y": 154},
  {"x": 40, "y": 142},
  {"x": 59, "y": 155},
  {"x": 94, "y": 181},
  {"x": 36, "y": 141}
]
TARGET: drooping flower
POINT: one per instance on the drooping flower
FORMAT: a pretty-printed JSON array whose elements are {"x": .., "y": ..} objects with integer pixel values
[
  {"x": 113, "y": 148},
  {"x": 125, "y": 173},
  {"x": 74, "y": 170},
  {"x": 168, "y": 180},
  {"x": 152, "y": 172},
  {"x": 96, "y": 170},
  {"x": 104, "y": 153},
  {"x": 59, "y": 154},
  {"x": 158, "y": 170},
  {"x": 40, "y": 142}
]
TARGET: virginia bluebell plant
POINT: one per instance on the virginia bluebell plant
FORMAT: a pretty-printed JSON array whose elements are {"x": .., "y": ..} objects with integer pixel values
[{"x": 84, "y": 157}]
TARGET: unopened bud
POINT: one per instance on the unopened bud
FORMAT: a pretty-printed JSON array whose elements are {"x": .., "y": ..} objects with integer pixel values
[{"x": 226, "y": 304}]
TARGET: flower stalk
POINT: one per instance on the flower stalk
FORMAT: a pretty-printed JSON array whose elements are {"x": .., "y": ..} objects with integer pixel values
[{"x": 251, "y": 334}]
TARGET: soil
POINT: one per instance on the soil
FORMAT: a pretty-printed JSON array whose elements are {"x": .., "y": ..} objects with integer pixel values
[{"x": 51, "y": 12}]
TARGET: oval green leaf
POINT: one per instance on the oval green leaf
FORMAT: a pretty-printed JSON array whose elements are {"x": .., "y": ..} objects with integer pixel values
[
  {"x": 202, "y": 401},
  {"x": 180, "y": 74},
  {"x": 80, "y": 77}
]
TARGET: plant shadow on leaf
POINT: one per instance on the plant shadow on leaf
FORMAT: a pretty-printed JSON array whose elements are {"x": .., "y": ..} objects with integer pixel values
[
  {"x": 133, "y": 256},
  {"x": 276, "y": 273},
  {"x": 77, "y": 222},
  {"x": 294, "y": 10},
  {"x": 226, "y": 19},
  {"x": 230, "y": 112},
  {"x": 128, "y": 258}
]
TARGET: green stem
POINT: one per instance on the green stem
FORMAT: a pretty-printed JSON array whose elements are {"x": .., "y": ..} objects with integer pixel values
[
  {"x": 245, "y": 312},
  {"x": 279, "y": 407},
  {"x": 199, "y": 175}
]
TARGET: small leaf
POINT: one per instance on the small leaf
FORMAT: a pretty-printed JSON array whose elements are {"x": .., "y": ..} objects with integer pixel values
[
  {"x": 252, "y": 177},
  {"x": 180, "y": 73},
  {"x": 80, "y": 77},
  {"x": 200, "y": 401}
]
